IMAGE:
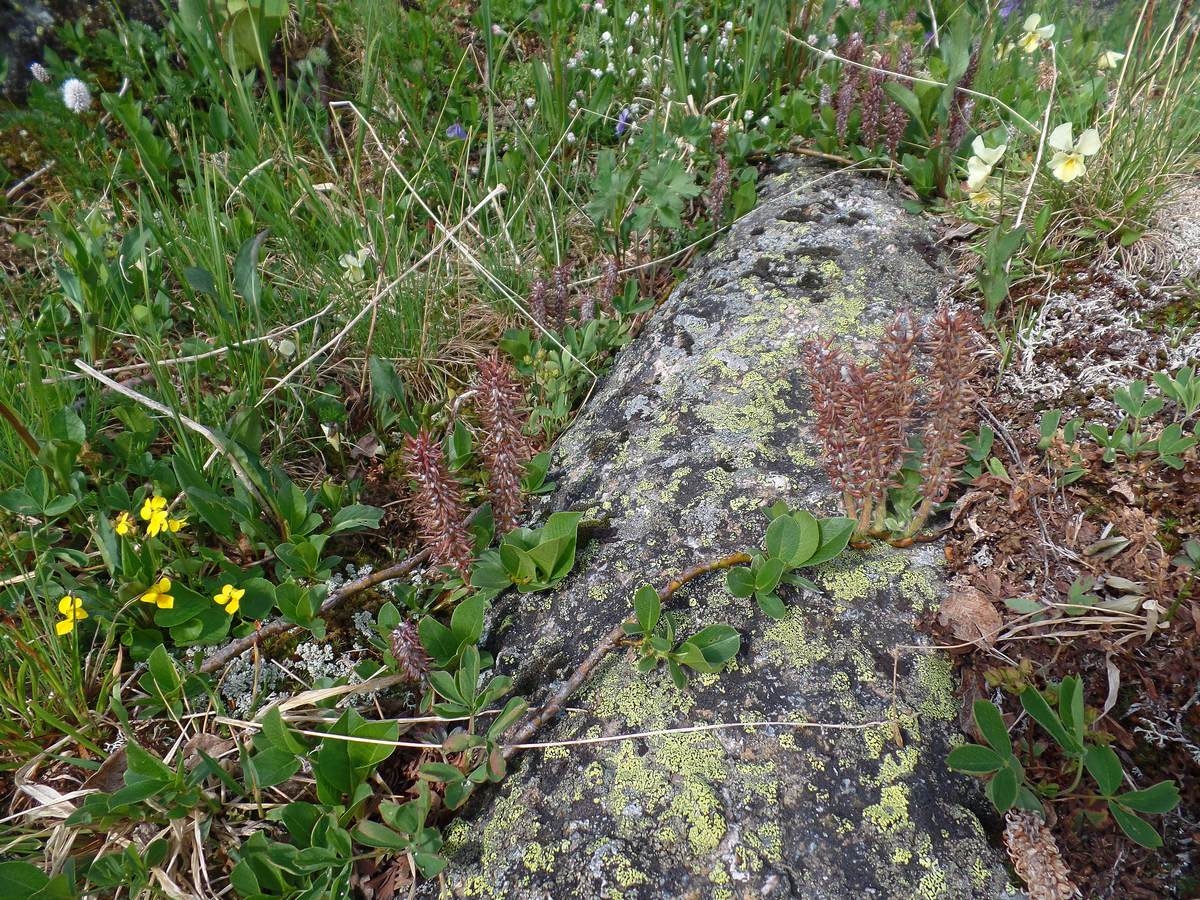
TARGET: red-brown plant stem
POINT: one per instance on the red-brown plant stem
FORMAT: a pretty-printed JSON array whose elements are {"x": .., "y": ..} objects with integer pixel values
[
  {"x": 337, "y": 598},
  {"x": 551, "y": 707}
]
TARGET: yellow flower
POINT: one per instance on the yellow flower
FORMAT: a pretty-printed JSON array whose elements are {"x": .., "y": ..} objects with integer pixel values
[
  {"x": 72, "y": 611},
  {"x": 1067, "y": 163},
  {"x": 1109, "y": 59},
  {"x": 1032, "y": 36},
  {"x": 230, "y": 597},
  {"x": 175, "y": 524},
  {"x": 125, "y": 524},
  {"x": 154, "y": 511},
  {"x": 158, "y": 594}
]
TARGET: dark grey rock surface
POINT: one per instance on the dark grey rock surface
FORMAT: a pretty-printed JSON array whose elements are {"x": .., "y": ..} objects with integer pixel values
[{"x": 702, "y": 423}]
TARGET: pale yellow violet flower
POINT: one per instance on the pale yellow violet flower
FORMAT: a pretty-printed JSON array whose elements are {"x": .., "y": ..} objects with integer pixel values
[
  {"x": 72, "y": 611},
  {"x": 1032, "y": 36},
  {"x": 1067, "y": 163},
  {"x": 1109, "y": 60},
  {"x": 354, "y": 264},
  {"x": 1004, "y": 49},
  {"x": 158, "y": 594},
  {"x": 979, "y": 166},
  {"x": 125, "y": 524},
  {"x": 230, "y": 598}
]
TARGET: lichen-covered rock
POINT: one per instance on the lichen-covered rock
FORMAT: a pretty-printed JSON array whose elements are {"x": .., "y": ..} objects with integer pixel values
[{"x": 703, "y": 423}]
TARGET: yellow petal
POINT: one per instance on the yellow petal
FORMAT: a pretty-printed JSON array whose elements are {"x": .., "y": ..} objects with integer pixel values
[
  {"x": 176, "y": 524},
  {"x": 165, "y": 601},
  {"x": 163, "y": 585},
  {"x": 64, "y": 626},
  {"x": 147, "y": 510},
  {"x": 237, "y": 593},
  {"x": 66, "y": 604},
  {"x": 232, "y": 607},
  {"x": 81, "y": 613}
]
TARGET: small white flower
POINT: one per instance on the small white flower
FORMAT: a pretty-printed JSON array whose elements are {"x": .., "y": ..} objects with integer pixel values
[
  {"x": 606, "y": 38},
  {"x": 1109, "y": 60},
  {"x": 632, "y": 20},
  {"x": 570, "y": 137},
  {"x": 729, "y": 26},
  {"x": 979, "y": 166},
  {"x": 40, "y": 72},
  {"x": 748, "y": 115},
  {"x": 831, "y": 40},
  {"x": 1067, "y": 163},
  {"x": 703, "y": 30},
  {"x": 497, "y": 30},
  {"x": 573, "y": 105},
  {"x": 631, "y": 72},
  {"x": 76, "y": 96},
  {"x": 354, "y": 264},
  {"x": 596, "y": 73},
  {"x": 764, "y": 121},
  {"x": 530, "y": 102},
  {"x": 812, "y": 39},
  {"x": 667, "y": 91},
  {"x": 572, "y": 62},
  {"x": 1032, "y": 36},
  {"x": 601, "y": 9},
  {"x": 610, "y": 68},
  {"x": 635, "y": 109}
]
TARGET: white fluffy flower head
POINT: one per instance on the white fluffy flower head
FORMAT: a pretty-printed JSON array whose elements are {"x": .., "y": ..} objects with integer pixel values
[
  {"x": 40, "y": 72},
  {"x": 76, "y": 96}
]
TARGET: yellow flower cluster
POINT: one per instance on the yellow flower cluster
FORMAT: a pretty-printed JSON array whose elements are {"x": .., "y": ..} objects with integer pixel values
[
  {"x": 71, "y": 608},
  {"x": 154, "y": 512}
]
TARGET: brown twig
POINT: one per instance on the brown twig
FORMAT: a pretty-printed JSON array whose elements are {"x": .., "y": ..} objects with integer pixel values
[
  {"x": 551, "y": 708},
  {"x": 18, "y": 426},
  {"x": 279, "y": 626}
]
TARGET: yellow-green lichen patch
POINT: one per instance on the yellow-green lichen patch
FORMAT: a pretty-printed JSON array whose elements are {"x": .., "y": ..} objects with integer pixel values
[
  {"x": 890, "y": 814},
  {"x": 537, "y": 858},
  {"x": 648, "y": 701},
  {"x": 500, "y": 832},
  {"x": 915, "y": 585},
  {"x": 787, "y": 644},
  {"x": 699, "y": 808},
  {"x": 935, "y": 675}
]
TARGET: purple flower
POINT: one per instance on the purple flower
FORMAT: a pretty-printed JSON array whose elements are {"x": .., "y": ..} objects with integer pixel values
[
  {"x": 623, "y": 122},
  {"x": 1008, "y": 7},
  {"x": 457, "y": 132}
]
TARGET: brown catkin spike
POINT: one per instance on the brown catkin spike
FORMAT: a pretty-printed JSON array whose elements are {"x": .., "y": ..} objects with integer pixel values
[
  {"x": 895, "y": 119},
  {"x": 499, "y": 402},
  {"x": 1036, "y": 857},
  {"x": 898, "y": 393},
  {"x": 872, "y": 108},
  {"x": 718, "y": 190},
  {"x": 950, "y": 343},
  {"x": 610, "y": 272},
  {"x": 438, "y": 505},
  {"x": 411, "y": 660},
  {"x": 560, "y": 283},
  {"x": 852, "y": 52},
  {"x": 537, "y": 302}
]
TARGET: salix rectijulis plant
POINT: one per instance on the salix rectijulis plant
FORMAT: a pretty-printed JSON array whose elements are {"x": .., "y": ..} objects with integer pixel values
[
  {"x": 1010, "y": 784},
  {"x": 893, "y": 469}
]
